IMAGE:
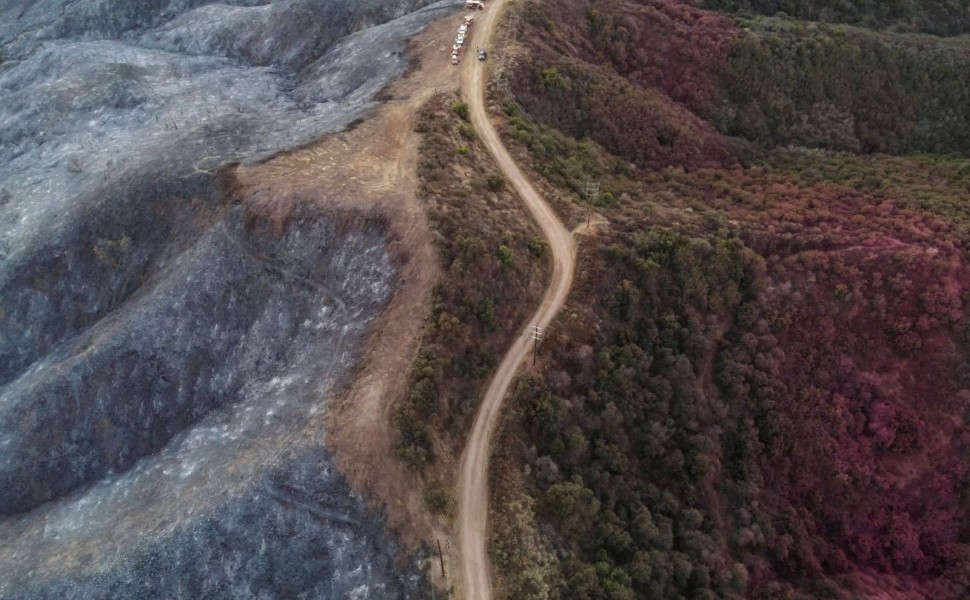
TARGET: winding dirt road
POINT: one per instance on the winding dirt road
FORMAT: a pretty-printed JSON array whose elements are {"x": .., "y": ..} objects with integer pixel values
[{"x": 475, "y": 570}]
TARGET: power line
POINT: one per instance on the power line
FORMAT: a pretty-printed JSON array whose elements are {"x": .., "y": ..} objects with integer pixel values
[
  {"x": 537, "y": 336},
  {"x": 592, "y": 193},
  {"x": 574, "y": 176}
]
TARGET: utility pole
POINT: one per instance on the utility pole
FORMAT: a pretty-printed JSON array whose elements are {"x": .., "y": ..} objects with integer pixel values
[
  {"x": 441, "y": 558},
  {"x": 592, "y": 192},
  {"x": 537, "y": 336}
]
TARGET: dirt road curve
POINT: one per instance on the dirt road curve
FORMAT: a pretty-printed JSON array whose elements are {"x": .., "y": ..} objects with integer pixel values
[{"x": 473, "y": 477}]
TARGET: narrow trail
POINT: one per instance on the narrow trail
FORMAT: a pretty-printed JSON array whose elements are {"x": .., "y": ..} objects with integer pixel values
[{"x": 475, "y": 578}]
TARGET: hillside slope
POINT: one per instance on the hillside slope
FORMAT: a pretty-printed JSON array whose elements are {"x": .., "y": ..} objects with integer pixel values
[
  {"x": 939, "y": 17},
  {"x": 173, "y": 338},
  {"x": 772, "y": 81},
  {"x": 761, "y": 387}
]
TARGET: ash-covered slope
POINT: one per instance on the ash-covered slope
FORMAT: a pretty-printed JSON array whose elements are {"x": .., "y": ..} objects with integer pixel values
[{"x": 164, "y": 350}]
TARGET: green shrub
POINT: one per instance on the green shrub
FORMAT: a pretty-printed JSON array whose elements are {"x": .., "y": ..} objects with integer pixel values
[
  {"x": 435, "y": 498},
  {"x": 495, "y": 182},
  {"x": 461, "y": 109},
  {"x": 466, "y": 131},
  {"x": 506, "y": 255},
  {"x": 537, "y": 247}
]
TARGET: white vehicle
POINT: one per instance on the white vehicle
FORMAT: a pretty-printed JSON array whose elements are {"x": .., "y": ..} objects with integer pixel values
[{"x": 475, "y": 4}]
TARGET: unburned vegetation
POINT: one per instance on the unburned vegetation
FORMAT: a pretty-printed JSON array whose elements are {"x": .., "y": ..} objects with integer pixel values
[
  {"x": 655, "y": 81},
  {"x": 845, "y": 88},
  {"x": 758, "y": 387},
  {"x": 939, "y": 17},
  {"x": 493, "y": 270}
]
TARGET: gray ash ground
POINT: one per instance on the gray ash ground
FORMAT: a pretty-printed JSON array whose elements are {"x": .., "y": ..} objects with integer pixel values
[{"x": 164, "y": 353}]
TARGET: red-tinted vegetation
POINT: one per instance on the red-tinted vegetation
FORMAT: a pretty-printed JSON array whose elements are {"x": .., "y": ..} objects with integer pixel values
[
  {"x": 853, "y": 395},
  {"x": 940, "y": 17},
  {"x": 664, "y": 44},
  {"x": 770, "y": 81},
  {"x": 593, "y": 71},
  {"x": 761, "y": 388},
  {"x": 642, "y": 125}
]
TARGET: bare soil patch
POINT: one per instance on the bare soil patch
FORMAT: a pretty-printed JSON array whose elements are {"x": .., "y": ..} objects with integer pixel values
[{"x": 369, "y": 171}]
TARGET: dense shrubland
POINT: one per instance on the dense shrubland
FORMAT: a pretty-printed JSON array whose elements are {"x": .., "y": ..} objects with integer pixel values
[
  {"x": 654, "y": 80},
  {"x": 493, "y": 265},
  {"x": 826, "y": 86},
  {"x": 939, "y": 17},
  {"x": 764, "y": 363},
  {"x": 759, "y": 387},
  {"x": 590, "y": 75},
  {"x": 625, "y": 402},
  {"x": 642, "y": 125}
]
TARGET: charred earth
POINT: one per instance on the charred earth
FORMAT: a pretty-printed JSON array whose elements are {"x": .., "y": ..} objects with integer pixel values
[{"x": 166, "y": 350}]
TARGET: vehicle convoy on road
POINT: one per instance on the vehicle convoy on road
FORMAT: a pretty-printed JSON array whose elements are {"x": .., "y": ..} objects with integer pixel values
[{"x": 460, "y": 39}]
